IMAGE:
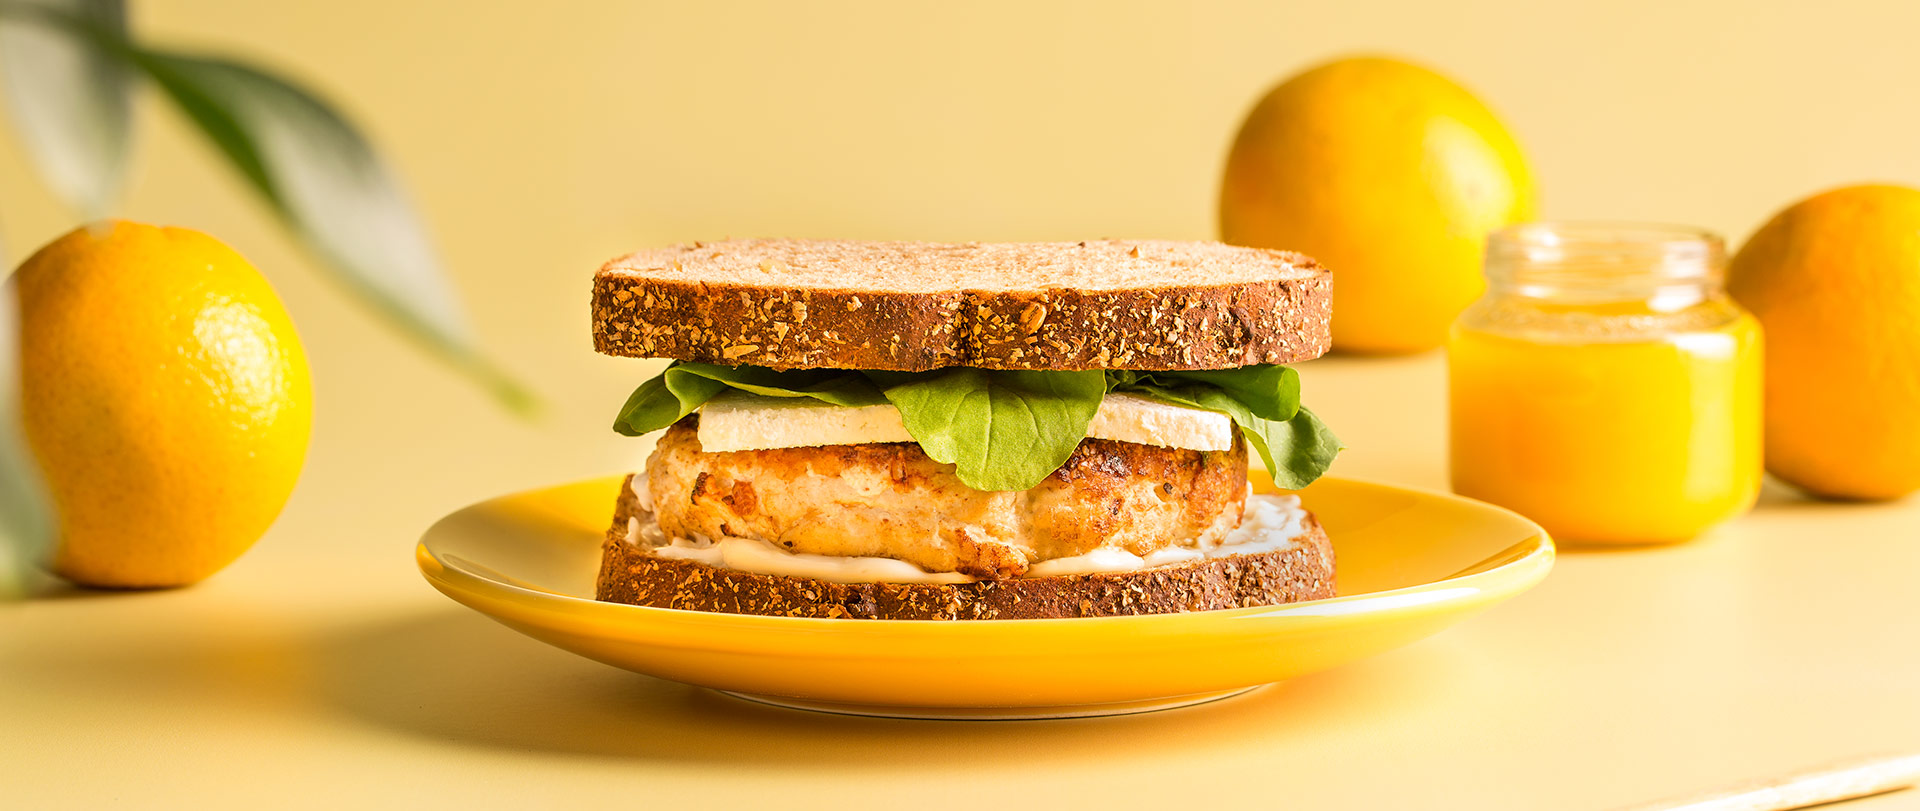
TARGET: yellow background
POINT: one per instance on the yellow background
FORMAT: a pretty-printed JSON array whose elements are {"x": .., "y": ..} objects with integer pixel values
[{"x": 540, "y": 139}]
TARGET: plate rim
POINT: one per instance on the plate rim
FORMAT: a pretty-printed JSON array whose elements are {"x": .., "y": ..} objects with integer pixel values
[{"x": 1515, "y": 568}]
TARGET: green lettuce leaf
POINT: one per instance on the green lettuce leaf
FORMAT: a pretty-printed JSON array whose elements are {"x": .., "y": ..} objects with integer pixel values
[
  {"x": 1001, "y": 430},
  {"x": 1263, "y": 401},
  {"x": 663, "y": 400},
  {"x": 1270, "y": 392},
  {"x": 1008, "y": 430},
  {"x": 683, "y": 387},
  {"x": 840, "y": 387},
  {"x": 1305, "y": 447}
]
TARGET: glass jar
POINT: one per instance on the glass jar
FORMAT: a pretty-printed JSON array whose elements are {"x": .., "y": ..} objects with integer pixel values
[{"x": 1606, "y": 386}]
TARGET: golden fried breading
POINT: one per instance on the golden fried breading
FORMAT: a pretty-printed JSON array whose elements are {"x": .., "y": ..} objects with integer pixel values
[{"x": 890, "y": 500}]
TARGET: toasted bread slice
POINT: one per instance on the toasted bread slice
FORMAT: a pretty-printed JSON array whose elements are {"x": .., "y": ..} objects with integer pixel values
[
  {"x": 633, "y": 575},
  {"x": 912, "y": 306}
]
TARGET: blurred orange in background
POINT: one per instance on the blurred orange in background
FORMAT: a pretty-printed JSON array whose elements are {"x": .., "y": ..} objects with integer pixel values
[
  {"x": 1835, "y": 280},
  {"x": 1392, "y": 176}
]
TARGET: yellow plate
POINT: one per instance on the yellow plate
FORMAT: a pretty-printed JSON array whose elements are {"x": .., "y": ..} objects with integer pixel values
[{"x": 1410, "y": 563}]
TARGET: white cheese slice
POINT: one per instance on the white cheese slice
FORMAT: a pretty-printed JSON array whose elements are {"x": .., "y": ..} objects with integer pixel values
[
  {"x": 1132, "y": 418},
  {"x": 738, "y": 421}
]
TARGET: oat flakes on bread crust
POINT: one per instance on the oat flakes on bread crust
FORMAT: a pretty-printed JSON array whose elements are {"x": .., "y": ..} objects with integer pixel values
[
  {"x": 912, "y": 306},
  {"x": 631, "y": 575}
]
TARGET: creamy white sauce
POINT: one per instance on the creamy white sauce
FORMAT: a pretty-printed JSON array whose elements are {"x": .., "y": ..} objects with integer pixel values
[
  {"x": 642, "y": 492},
  {"x": 1269, "y": 524}
]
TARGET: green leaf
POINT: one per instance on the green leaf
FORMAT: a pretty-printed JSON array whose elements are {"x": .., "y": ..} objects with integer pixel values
[
  {"x": 837, "y": 386},
  {"x": 1296, "y": 450},
  {"x": 320, "y": 176},
  {"x": 325, "y": 181},
  {"x": 683, "y": 387},
  {"x": 1305, "y": 447},
  {"x": 1008, "y": 430},
  {"x": 1272, "y": 392},
  {"x": 26, "y": 515},
  {"x": 70, "y": 100},
  {"x": 663, "y": 400},
  {"x": 1002, "y": 430},
  {"x": 1263, "y": 401}
]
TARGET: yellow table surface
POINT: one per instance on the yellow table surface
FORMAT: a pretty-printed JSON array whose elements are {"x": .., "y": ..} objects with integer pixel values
[{"x": 322, "y": 670}]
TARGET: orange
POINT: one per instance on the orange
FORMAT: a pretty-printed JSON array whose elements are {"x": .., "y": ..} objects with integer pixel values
[
  {"x": 1391, "y": 176},
  {"x": 166, "y": 398},
  {"x": 1835, "y": 281}
]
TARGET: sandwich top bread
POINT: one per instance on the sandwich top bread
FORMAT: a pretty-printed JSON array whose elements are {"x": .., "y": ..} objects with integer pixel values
[
  {"x": 904, "y": 306},
  {"x": 926, "y": 431}
]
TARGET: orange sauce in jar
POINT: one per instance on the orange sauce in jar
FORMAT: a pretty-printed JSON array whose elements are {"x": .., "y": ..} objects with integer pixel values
[{"x": 1603, "y": 391}]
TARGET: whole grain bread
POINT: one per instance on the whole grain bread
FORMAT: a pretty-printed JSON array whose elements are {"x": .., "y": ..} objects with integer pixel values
[
  {"x": 912, "y": 306},
  {"x": 631, "y": 574}
]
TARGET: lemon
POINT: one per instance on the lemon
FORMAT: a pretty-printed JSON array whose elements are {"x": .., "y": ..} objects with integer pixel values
[
  {"x": 166, "y": 397},
  {"x": 1835, "y": 281},
  {"x": 1391, "y": 176}
]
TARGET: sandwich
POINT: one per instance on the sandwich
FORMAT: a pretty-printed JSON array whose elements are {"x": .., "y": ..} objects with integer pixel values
[{"x": 895, "y": 430}]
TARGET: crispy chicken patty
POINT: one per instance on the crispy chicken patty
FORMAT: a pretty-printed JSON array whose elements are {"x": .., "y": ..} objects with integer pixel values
[{"x": 891, "y": 500}]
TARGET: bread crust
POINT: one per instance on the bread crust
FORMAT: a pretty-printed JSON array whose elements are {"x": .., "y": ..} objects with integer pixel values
[
  {"x": 919, "y": 306},
  {"x": 631, "y": 574}
]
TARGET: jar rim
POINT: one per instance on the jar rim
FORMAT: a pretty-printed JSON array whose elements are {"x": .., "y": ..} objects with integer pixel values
[
  {"x": 1577, "y": 253},
  {"x": 1561, "y": 241}
]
